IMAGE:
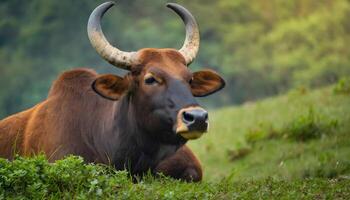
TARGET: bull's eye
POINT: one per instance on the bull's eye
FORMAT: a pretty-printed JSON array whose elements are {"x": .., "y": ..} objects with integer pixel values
[{"x": 150, "y": 81}]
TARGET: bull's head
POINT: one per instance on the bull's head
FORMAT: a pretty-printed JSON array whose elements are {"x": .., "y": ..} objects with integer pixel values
[{"x": 161, "y": 86}]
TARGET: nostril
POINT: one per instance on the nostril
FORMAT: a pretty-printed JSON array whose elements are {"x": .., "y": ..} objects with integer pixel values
[
  {"x": 187, "y": 117},
  {"x": 206, "y": 116}
]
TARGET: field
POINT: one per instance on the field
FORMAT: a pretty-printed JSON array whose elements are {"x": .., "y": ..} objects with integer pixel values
[
  {"x": 270, "y": 153},
  {"x": 293, "y": 146}
]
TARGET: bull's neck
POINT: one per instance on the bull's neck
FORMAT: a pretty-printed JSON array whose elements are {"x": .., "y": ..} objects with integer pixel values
[
  {"x": 126, "y": 126},
  {"x": 132, "y": 147}
]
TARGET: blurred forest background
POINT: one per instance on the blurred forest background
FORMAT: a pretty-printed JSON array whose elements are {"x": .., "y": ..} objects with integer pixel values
[{"x": 261, "y": 47}]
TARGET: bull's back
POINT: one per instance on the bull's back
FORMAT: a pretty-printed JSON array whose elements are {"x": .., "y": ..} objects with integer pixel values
[{"x": 60, "y": 125}]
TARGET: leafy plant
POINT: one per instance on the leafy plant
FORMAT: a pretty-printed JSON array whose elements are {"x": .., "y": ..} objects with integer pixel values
[
  {"x": 238, "y": 153},
  {"x": 71, "y": 178},
  {"x": 35, "y": 178},
  {"x": 328, "y": 167},
  {"x": 308, "y": 126},
  {"x": 343, "y": 86},
  {"x": 261, "y": 132}
]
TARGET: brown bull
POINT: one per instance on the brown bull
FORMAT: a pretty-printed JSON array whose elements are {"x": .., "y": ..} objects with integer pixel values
[{"x": 138, "y": 122}]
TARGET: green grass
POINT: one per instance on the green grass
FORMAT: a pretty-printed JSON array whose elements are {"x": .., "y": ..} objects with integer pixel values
[
  {"x": 35, "y": 178},
  {"x": 296, "y": 146},
  {"x": 276, "y": 156}
]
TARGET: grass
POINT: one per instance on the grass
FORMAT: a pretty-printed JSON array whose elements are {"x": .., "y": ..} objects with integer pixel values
[
  {"x": 295, "y": 146},
  {"x": 35, "y": 178},
  {"x": 273, "y": 155}
]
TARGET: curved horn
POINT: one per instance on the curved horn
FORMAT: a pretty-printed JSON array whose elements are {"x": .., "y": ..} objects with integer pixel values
[
  {"x": 113, "y": 55},
  {"x": 191, "y": 45}
]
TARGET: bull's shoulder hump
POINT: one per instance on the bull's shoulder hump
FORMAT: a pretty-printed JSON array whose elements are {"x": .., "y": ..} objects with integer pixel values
[
  {"x": 76, "y": 80},
  {"x": 77, "y": 74}
]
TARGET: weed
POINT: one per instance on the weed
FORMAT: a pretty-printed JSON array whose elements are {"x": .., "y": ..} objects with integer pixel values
[
  {"x": 70, "y": 178},
  {"x": 35, "y": 178},
  {"x": 238, "y": 153},
  {"x": 261, "y": 132},
  {"x": 298, "y": 91},
  {"x": 308, "y": 126},
  {"x": 328, "y": 167},
  {"x": 302, "y": 128},
  {"x": 343, "y": 86}
]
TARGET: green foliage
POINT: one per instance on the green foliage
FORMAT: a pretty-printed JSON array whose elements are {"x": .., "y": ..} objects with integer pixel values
[
  {"x": 238, "y": 153},
  {"x": 262, "y": 47},
  {"x": 35, "y": 178},
  {"x": 308, "y": 126},
  {"x": 303, "y": 128},
  {"x": 343, "y": 86},
  {"x": 328, "y": 167},
  {"x": 274, "y": 46},
  {"x": 260, "y": 132}
]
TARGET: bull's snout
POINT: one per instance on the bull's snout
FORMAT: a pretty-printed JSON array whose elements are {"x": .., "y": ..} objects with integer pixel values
[
  {"x": 196, "y": 119},
  {"x": 192, "y": 122}
]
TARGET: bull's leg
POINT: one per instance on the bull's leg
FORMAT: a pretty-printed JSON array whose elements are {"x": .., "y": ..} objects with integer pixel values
[{"x": 182, "y": 165}]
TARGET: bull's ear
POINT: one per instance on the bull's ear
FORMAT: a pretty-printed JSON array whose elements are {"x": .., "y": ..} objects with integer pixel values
[
  {"x": 110, "y": 86},
  {"x": 206, "y": 82}
]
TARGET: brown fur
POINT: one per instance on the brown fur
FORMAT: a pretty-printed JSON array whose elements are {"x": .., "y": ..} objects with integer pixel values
[
  {"x": 74, "y": 119},
  {"x": 61, "y": 124},
  {"x": 182, "y": 165}
]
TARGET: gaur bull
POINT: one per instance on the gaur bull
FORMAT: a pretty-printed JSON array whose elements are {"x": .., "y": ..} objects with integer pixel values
[{"x": 139, "y": 122}]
